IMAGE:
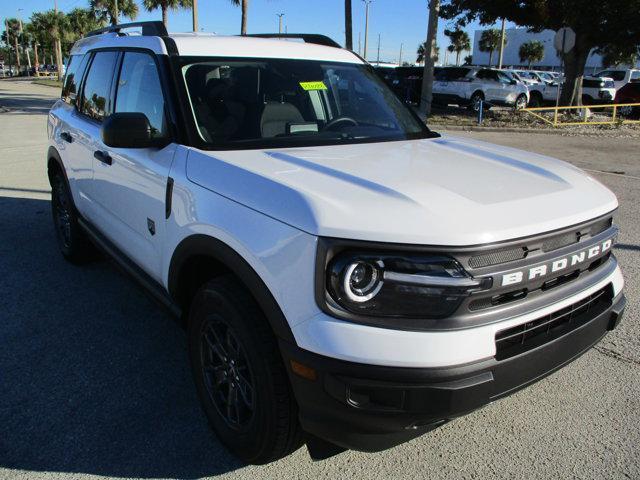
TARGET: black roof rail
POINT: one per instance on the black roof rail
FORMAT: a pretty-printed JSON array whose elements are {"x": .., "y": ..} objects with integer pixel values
[
  {"x": 149, "y": 29},
  {"x": 307, "y": 37}
]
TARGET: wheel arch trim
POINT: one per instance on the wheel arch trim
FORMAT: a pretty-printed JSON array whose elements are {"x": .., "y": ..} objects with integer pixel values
[{"x": 206, "y": 245}]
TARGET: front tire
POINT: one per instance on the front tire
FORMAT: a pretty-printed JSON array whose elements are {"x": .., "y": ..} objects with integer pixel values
[
  {"x": 239, "y": 375},
  {"x": 474, "y": 102},
  {"x": 521, "y": 102}
]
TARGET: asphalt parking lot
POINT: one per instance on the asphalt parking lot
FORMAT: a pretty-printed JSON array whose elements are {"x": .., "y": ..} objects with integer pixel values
[{"x": 94, "y": 378}]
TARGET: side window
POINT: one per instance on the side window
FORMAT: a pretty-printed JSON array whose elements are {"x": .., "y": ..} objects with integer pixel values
[
  {"x": 635, "y": 76},
  {"x": 97, "y": 86},
  {"x": 502, "y": 78},
  {"x": 75, "y": 70},
  {"x": 485, "y": 75},
  {"x": 139, "y": 90}
]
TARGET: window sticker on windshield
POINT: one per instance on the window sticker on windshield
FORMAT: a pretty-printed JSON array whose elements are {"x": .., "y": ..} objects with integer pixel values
[{"x": 313, "y": 85}]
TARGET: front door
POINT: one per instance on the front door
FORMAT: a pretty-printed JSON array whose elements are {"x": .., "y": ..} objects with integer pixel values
[{"x": 131, "y": 187}]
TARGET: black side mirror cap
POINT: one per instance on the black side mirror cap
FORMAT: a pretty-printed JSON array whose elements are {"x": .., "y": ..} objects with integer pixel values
[{"x": 129, "y": 130}]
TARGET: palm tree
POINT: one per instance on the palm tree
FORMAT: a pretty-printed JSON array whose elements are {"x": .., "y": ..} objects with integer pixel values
[
  {"x": 82, "y": 21},
  {"x": 459, "y": 42},
  {"x": 532, "y": 51},
  {"x": 490, "y": 42},
  {"x": 105, "y": 9},
  {"x": 348, "y": 25},
  {"x": 165, "y": 5},
  {"x": 14, "y": 31},
  {"x": 245, "y": 10},
  {"x": 421, "y": 53},
  {"x": 55, "y": 25}
]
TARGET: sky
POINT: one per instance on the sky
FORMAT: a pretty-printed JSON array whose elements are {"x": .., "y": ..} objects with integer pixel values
[{"x": 399, "y": 22}]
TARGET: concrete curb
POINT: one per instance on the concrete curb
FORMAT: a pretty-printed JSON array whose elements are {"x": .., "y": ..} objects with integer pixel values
[
  {"x": 546, "y": 131},
  {"x": 471, "y": 128}
]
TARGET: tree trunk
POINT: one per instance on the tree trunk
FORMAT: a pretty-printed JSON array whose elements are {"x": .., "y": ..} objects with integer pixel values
[
  {"x": 163, "y": 7},
  {"x": 458, "y": 52},
  {"x": 245, "y": 8},
  {"x": 574, "y": 63},
  {"x": 15, "y": 41},
  {"x": 59, "y": 58},
  {"x": 35, "y": 54},
  {"x": 429, "y": 56},
  {"x": 490, "y": 57},
  {"x": 348, "y": 26}
]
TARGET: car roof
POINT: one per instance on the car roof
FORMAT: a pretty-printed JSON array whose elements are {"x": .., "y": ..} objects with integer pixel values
[{"x": 211, "y": 45}]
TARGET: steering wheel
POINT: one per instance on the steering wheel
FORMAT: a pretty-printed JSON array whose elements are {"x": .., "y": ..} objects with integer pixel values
[{"x": 339, "y": 120}]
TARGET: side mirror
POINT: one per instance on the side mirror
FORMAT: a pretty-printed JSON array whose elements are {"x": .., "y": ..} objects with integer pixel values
[{"x": 128, "y": 130}]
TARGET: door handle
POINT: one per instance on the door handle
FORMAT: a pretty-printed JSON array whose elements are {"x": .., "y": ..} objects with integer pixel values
[
  {"x": 66, "y": 136},
  {"x": 104, "y": 157}
]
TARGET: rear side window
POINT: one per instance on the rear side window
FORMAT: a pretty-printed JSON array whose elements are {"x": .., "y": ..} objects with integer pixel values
[
  {"x": 75, "y": 70},
  {"x": 451, "y": 74},
  {"x": 635, "y": 76},
  {"x": 139, "y": 90},
  {"x": 97, "y": 86}
]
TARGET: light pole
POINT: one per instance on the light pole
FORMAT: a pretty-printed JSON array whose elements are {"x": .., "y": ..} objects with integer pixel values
[
  {"x": 400, "y": 56},
  {"x": 194, "y": 12},
  {"x": 115, "y": 11},
  {"x": 366, "y": 25},
  {"x": 280, "y": 15},
  {"x": 501, "y": 46},
  {"x": 378, "y": 60}
]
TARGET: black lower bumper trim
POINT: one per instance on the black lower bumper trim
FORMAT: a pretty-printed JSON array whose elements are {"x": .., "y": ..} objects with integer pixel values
[{"x": 371, "y": 408}]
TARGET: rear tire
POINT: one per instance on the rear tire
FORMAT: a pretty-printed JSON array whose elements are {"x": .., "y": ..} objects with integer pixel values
[
  {"x": 72, "y": 240},
  {"x": 239, "y": 374},
  {"x": 474, "y": 102}
]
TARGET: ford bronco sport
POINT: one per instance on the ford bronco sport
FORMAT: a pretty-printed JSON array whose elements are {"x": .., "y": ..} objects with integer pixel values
[{"x": 346, "y": 276}]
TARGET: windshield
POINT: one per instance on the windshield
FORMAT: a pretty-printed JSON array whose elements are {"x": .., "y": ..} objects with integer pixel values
[{"x": 244, "y": 103}]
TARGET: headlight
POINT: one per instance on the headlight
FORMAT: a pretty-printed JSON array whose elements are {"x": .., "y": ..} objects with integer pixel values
[{"x": 397, "y": 285}]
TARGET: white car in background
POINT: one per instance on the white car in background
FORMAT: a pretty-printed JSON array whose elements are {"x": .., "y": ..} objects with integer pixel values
[
  {"x": 595, "y": 90},
  {"x": 620, "y": 76},
  {"x": 468, "y": 86}
]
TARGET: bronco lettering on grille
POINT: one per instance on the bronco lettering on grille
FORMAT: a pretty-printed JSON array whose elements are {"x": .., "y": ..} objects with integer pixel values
[{"x": 557, "y": 264}]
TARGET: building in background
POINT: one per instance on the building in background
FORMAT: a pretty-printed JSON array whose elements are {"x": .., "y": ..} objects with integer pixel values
[{"x": 518, "y": 36}]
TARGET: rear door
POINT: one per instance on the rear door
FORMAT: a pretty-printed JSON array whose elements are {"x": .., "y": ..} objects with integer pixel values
[
  {"x": 93, "y": 105},
  {"x": 78, "y": 165},
  {"x": 130, "y": 190},
  {"x": 487, "y": 81}
]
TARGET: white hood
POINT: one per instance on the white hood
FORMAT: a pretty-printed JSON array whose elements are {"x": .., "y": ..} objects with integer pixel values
[{"x": 441, "y": 191}]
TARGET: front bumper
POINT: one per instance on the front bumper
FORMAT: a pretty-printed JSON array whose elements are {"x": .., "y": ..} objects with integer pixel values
[{"x": 371, "y": 408}]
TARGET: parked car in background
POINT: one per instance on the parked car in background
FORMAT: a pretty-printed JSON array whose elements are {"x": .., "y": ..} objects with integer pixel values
[
  {"x": 468, "y": 86},
  {"x": 594, "y": 91},
  {"x": 597, "y": 90},
  {"x": 517, "y": 75},
  {"x": 620, "y": 76},
  {"x": 630, "y": 93},
  {"x": 406, "y": 82}
]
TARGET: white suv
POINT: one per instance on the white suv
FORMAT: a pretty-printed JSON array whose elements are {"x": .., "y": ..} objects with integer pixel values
[
  {"x": 342, "y": 271},
  {"x": 620, "y": 76},
  {"x": 468, "y": 86}
]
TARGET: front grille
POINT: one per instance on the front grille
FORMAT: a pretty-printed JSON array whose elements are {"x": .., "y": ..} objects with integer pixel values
[
  {"x": 532, "y": 247},
  {"x": 498, "y": 257},
  {"x": 527, "y": 336}
]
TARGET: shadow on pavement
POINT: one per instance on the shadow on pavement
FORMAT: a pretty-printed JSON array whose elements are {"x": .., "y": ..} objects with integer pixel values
[
  {"x": 26, "y": 104},
  {"x": 94, "y": 376}
]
